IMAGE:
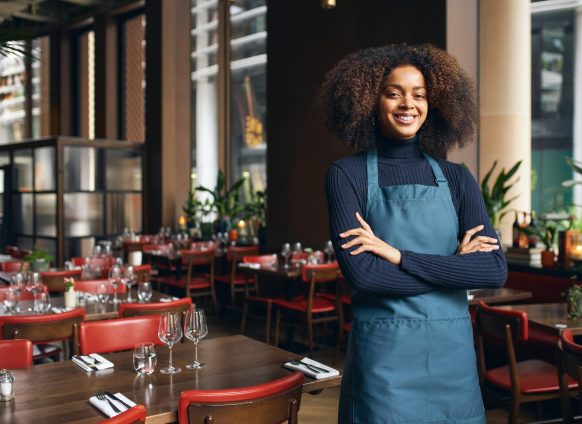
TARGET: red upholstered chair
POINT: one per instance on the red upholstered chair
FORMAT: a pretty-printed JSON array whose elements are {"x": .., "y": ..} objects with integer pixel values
[
  {"x": 199, "y": 279},
  {"x": 154, "y": 308},
  {"x": 257, "y": 299},
  {"x": 25, "y": 295},
  {"x": 569, "y": 367},
  {"x": 10, "y": 266},
  {"x": 42, "y": 329},
  {"x": 115, "y": 335},
  {"x": 55, "y": 280},
  {"x": 274, "y": 402},
  {"x": 531, "y": 380},
  {"x": 236, "y": 282},
  {"x": 143, "y": 272},
  {"x": 15, "y": 353},
  {"x": 90, "y": 286},
  {"x": 134, "y": 415},
  {"x": 313, "y": 308}
]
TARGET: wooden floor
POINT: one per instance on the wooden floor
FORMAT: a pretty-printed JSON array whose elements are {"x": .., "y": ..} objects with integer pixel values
[{"x": 322, "y": 408}]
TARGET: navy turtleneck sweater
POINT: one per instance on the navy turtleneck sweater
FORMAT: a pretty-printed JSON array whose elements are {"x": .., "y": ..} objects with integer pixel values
[{"x": 401, "y": 162}]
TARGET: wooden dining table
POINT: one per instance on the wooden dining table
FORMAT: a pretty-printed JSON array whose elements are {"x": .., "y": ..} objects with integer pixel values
[
  {"x": 552, "y": 317},
  {"x": 59, "y": 392},
  {"x": 497, "y": 296}
]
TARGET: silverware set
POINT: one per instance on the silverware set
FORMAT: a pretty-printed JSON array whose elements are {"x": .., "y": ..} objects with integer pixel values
[
  {"x": 108, "y": 396},
  {"x": 310, "y": 367}
]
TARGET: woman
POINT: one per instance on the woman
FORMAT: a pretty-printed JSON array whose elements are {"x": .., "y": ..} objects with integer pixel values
[{"x": 411, "y": 235}]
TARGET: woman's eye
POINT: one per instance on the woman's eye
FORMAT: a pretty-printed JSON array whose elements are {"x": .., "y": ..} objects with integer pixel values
[
  {"x": 420, "y": 96},
  {"x": 392, "y": 94}
]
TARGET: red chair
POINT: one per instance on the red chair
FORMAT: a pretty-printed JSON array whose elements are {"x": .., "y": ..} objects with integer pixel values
[
  {"x": 90, "y": 286},
  {"x": 10, "y": 266},
  {"x": 236, "y": 282},
  {"x": 43, "y": 330},
  {"x": 143, "y": 272},
  {"x": 115, "y": 335},
  {"x": 531, "y": 380},
  {"x": 266, "y": 301},
  {"x": 134, "y": 415},
  {"x": 196, "y": 283},
  {"x": 15, "y": 353},
  {"x": 274, "y": 402},
  {"x": 154, "y": 308},
  {"x": 314, "y": 308},
  {"x": 55, "y": 280},
  {"x": 25, "y": 295},
  {"x": 569, "y": 367}
]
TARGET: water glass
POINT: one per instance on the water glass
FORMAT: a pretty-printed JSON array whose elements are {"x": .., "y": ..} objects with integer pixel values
[
  {"x": 144, "y": 291},
  {"x": 10, "y": 301},
  {"x": 17, "y": 286},
  {"x": 170, "y": 333},
  {"x": 42, "y": 302},
  {"x": 195, "y": 328},
  {"x": 144, "y": 358},
  {"x": 103, "y": 293}
]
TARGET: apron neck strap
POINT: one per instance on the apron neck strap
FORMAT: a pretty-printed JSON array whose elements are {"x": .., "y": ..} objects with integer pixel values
[
  {"x": 436, "y": 169},
  {"x": 372, "y": 164}
]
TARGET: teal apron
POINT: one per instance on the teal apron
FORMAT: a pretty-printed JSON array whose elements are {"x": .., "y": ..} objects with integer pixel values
[{"x": 411, "y": 359}]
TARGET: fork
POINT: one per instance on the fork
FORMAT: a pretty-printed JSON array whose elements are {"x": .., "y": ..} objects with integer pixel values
[{"x": 102, "y": 396}]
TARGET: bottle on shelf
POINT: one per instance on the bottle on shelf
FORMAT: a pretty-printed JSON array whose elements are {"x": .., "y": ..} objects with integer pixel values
[
  {"x": 523, "y": 237},
  {"x": 516, "y": 231},
  {"x": 532, "y": 233}
]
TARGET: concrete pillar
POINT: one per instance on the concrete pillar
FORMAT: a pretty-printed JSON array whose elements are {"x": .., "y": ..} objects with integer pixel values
[{"x": 505, "y": 92}]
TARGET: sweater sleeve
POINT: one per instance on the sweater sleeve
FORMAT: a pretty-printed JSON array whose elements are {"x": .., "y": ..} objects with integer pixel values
[
  {"x": 365, "y": 272},
  {"x": 469, "y": 271}
]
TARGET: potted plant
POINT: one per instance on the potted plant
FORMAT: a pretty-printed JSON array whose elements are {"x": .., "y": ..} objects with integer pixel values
[
  {"x": 196, "y": 211},
  {"x": 574, "y": 301},
  {"x": 495, "y": 196},
  {"x": 70, "y": 295},
  {"x": 547, "y": 235},
  {"x": 38, "y": 260},
  {"x": 256, "y": 214}
]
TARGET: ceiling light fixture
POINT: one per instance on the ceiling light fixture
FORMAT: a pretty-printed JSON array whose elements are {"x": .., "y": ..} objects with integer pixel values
[{"x": 328, "y": 4}]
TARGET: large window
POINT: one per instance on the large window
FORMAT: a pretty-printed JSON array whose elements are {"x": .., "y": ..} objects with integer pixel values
[
  {"x": 552, "y": 109},
  {"x": 247, "y": 109}
]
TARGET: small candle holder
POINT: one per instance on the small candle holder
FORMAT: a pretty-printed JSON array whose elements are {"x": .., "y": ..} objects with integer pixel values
[{"x": 6, "y": 385}]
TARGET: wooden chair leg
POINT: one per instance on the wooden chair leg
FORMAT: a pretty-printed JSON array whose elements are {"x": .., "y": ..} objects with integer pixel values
[
  {"x": 243, "y": 320},
  {"x": 232, "y": 295},
  {"x": 277, "y": 321},
  {"x": 268, "y": 323},
  {"x": 310, "y": 333},
  {"x": 513, "y": 412}
]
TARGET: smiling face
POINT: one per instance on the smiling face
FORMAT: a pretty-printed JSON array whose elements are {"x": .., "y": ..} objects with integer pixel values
[{"x": 402, "y": 103}]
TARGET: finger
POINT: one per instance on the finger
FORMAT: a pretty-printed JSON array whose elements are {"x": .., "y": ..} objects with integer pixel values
[
  {"x": 365, "y": 225},
  {"x": 352, "y": 232},
  {"x": 470, "y": 232},
  {"x": 485, "y": 239},
  {"x": 353, "y": 242},
  {"x": 359, "y": 250}
]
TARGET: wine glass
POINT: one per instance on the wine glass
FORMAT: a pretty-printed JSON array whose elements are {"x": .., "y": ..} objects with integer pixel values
[
  {"x": 17, "y": 285},
  {"x": 195, "y": 328},
  {"x": 286, "y": 253},
  {"x": 329, "y": 252},
  {"x": 144, "y": 291},
  {"x": 34, "y": 285},
  {"x": 115, "y": 280},
  {"x": 102, "y": 293},
  {"x": 144, "y": 358},
  {"x": 42, "y": 302},
  {"x": 170, "y": 333},
  {"x": 10, "y": 301},
  {"x": 129, "y": 281}
]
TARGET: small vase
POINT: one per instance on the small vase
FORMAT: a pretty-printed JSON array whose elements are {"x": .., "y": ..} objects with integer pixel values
[
  {"x": 70, "y": 299},
  {"x": 548, "y": 259}
]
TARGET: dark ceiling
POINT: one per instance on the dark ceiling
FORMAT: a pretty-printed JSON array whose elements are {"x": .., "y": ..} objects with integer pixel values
[{"x": 22, "y": 19}]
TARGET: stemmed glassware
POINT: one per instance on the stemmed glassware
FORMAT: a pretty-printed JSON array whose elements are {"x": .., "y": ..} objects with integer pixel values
[
  {"x": 129, "y": 280},
  {"x": 286, "y": 253},
  {"x": 195, "y": 328},
  {"x": 329, "y": 252},
  {"x": 17, "y": 285},
  {"x": 170, "y": 333},
  {"x": 144, "y": 291},
  {"x": 34, "y": 285},
  {"x": 115, "y": 280},
  {"x": 103, "y": 293}
]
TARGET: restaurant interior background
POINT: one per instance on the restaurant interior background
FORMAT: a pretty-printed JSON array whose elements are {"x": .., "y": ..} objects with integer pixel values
[{"x": 135, "y": 103}]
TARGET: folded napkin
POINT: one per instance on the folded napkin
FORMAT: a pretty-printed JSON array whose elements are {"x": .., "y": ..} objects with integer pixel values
[
  {"x": 250, "y": 265},
  {"x": 330, "y": 372},
  {"x": 100, "y": 362},
  {"x": 169, "y": 299},
  {"x": 58, "y": 310},
  {"x": 103, "y": 405}
]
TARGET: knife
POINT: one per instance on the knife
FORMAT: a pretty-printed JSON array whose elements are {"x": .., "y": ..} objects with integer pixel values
[
  {"x": 309, "y": 366},
  {"x": 117, "y": 398},
  {"x": 92, "y": 366}
]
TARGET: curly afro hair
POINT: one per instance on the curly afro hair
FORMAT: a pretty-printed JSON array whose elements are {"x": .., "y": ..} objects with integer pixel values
[{"x": 349, "y": 96}]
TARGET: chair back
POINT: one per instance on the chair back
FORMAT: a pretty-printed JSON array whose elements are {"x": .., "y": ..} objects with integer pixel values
[
  {"x": 274, "y": 402},
  {"x": 320, "y": 273},
  {"x": 15, "y": 353},
  {"x": 143, "y": 272},
  {"x": 10, "y": 266},
  {"x": 42, "y": 328},
  {"x": 266, "y": 260},
  {"x": 55, "y": 280},
  {"x": 91, "y": 286},
  {"x": 25, "y": 295},
  {"x": 195, "y": 258},
  {"x": 506, "y": 325},
  {"x": 569, "y": 363},
  {"x": 154, "y": 308},
  {"x": 115, "y": 335},
  {"x": 134, "y": 415}
]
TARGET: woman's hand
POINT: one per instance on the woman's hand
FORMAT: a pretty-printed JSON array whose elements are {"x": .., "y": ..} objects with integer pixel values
[
  {"x": 364, "y": 236},
  {"x": 478, "y": 244}
]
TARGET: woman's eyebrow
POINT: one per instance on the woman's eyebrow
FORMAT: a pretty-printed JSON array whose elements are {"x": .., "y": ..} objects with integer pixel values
[{"x": 398, "y": 86}]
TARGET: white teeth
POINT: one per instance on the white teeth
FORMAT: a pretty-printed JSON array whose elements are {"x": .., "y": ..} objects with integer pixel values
[{"x": 406, "y": 118}]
